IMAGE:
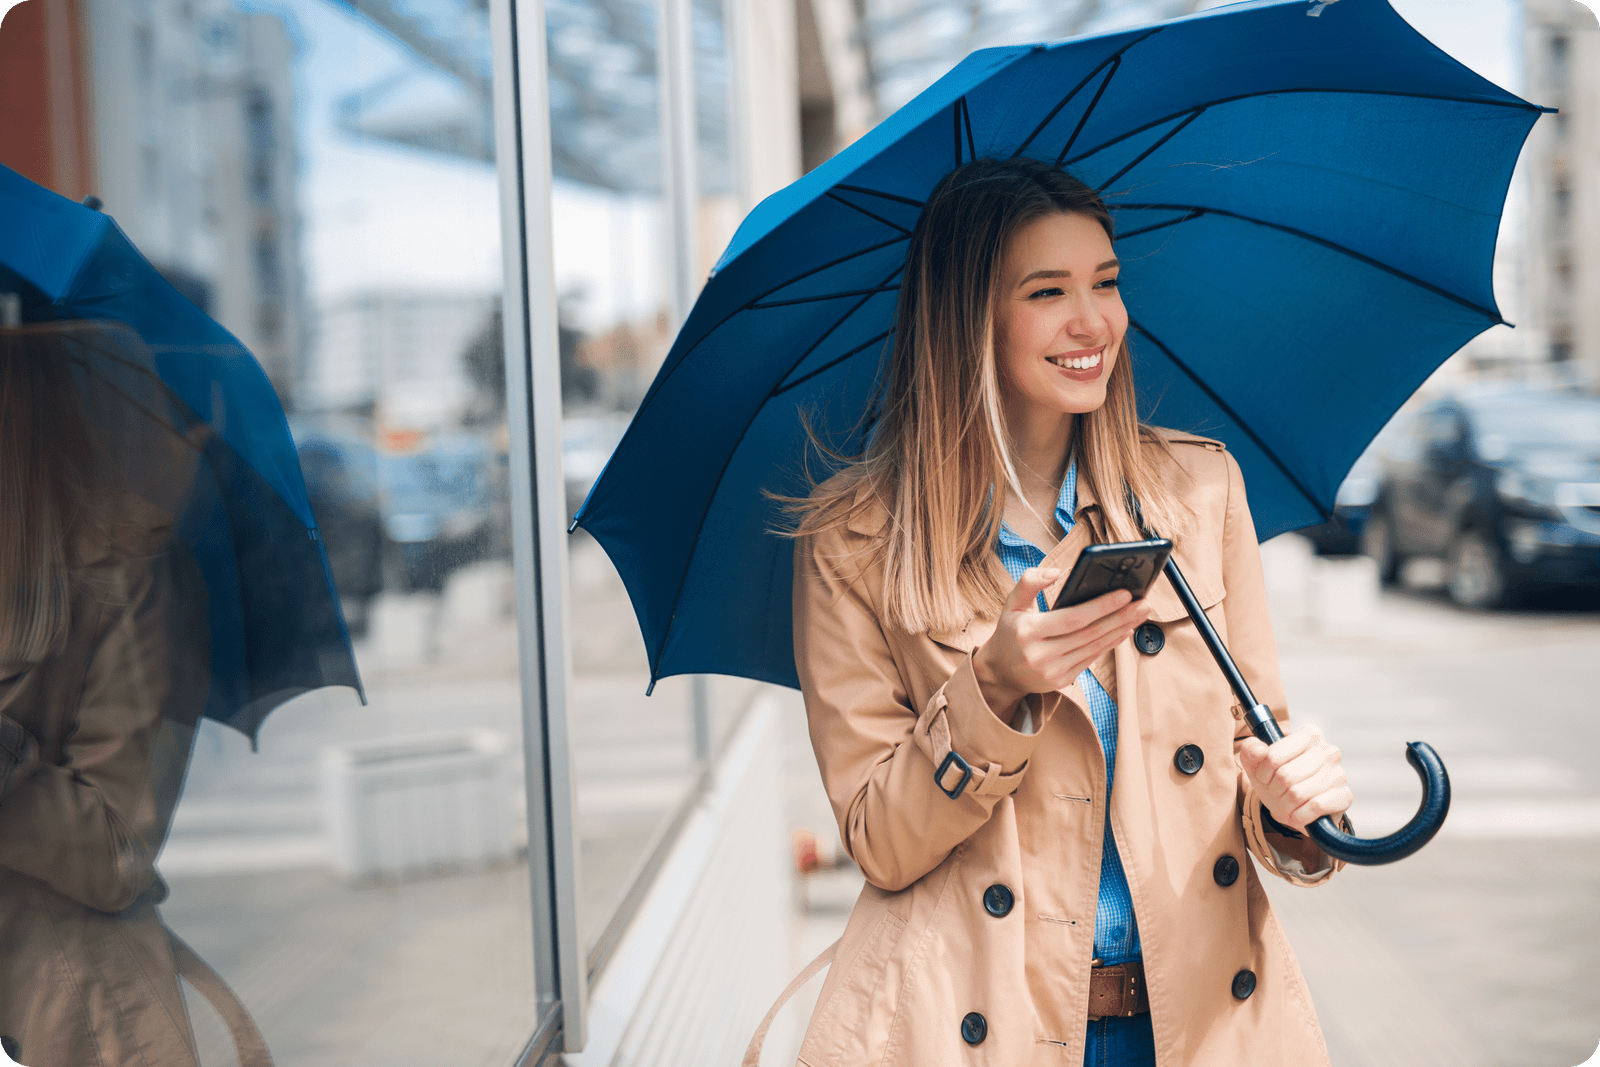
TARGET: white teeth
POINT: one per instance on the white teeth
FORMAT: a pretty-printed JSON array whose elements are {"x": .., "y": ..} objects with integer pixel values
[{"x": 1079, "y": 363}]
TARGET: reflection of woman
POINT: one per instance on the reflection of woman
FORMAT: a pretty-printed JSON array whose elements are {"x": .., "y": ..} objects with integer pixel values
[
  {"x": 103, "y": 675},
  {"x": 1091, "y": 893}
]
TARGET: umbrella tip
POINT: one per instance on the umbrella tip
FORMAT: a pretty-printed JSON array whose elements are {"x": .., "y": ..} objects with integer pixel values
[{"x": 92, "y": 202}]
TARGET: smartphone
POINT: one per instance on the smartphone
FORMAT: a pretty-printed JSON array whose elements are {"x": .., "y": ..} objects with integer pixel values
[{"x": 1130, "y": 565}]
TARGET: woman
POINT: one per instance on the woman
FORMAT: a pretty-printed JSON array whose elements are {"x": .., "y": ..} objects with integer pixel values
[
  {"x": 104, "y": 672},
  {"x": 1020, "y": 918}
]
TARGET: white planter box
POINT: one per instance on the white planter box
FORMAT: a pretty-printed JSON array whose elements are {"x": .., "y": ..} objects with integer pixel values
[{"x": 412, "y": 804}]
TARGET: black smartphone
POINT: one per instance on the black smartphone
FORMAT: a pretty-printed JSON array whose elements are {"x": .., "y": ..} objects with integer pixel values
[{"x": 1130, "y": 565}]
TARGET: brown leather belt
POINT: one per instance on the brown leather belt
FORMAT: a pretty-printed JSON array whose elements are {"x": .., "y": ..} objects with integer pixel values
[{"x": 1117, "y": 991}]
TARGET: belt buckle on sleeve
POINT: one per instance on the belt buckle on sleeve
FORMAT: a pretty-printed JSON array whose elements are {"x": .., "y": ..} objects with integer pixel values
[{"x": 966, "y": 774}]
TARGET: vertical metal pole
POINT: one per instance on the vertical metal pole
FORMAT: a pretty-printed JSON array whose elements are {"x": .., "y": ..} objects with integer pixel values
[
  {"x": 680, "y": 182},
  {"x": 741, "y": 82},
  {"x": 538, "y": 504},
  {"x": 681, "y": 185}
]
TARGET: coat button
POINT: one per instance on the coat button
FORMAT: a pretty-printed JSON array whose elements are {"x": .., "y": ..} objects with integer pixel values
[
  {"x": 974, "y": 1028},
  {"x": 1149, "y": 639},
  {"x": 1189, "y": 759},
  {"x": 1244, "y": 983},
  {"x": 1226, "y": 871},
  {"x": 997, "y": 901}
]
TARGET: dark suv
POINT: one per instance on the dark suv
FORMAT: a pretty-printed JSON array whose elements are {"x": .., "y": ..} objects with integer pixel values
[
  {"x": 341, "y": 472},
  {"x": 1504, "y": 485}
]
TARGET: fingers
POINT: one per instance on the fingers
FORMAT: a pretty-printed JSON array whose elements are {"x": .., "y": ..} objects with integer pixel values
[
  {"x": 1300, "y": 778},
  {"x": 1024, "y": 594},
  {"x": 1066, "y": 620}
]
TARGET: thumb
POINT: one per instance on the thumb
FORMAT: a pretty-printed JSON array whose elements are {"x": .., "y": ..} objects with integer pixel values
[
  {"x": 1034, "y": 581},
  {"x": 1252, "y": 753}
]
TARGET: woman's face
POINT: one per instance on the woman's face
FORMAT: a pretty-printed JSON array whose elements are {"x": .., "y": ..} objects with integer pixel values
[{"x": 1060, "y": 320}]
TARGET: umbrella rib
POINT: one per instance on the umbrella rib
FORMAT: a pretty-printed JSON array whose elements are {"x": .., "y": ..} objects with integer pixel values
[
  {"x": 1065, "y": 100},
  {"x": 827, "y": 296},
  {"x": 753, "y": 305},
  {"x": 136, "y": 404},
  {"x": 1520, "y": 105},
  {"x": 1227, "y": 410},
  {"x": 706, "y": 512},
  {"x": 966, "y": 121},
  {"x": 1094, "y": 103},
  {"x": 829, "y": 365},
  {"x": 880, "y": 195},
  {"x": 1160, "y": 225},
  {"x": 871, "y": 215},
  {"x": 1142, "y": 156},
  {"x": 1494, "y": 318}
]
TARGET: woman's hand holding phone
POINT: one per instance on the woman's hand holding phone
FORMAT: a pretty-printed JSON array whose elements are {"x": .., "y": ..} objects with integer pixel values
[{"x": 1039, "y": 652}]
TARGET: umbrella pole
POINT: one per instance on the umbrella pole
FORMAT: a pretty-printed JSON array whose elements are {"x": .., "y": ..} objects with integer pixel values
[{"x": 1332, "y": 840}]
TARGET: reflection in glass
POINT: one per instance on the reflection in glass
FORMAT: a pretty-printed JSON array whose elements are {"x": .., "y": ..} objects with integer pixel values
[
  {"x": 320, "y": 177},
  {"x": 632, "y": 754}
]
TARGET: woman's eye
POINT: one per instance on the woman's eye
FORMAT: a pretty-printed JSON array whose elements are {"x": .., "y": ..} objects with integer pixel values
[
  {"x": 1052, "y": 291},
  {"x": 1108, "y": 283}
]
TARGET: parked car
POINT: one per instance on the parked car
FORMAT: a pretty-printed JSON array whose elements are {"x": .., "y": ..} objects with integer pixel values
[
  {"x": 1341, "y": 534},
  {"x": 437, "y": 505},
  {"x": 341, "y": 472},
  {"x": 1504, "y": 485}
]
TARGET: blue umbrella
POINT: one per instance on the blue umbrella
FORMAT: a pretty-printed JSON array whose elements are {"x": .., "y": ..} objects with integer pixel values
[
  {"x": 275, "y": 628},
  {"x": 1307, "y": 197}
]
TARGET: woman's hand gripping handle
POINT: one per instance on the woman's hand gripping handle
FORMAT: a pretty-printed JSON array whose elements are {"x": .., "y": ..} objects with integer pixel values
[{"x": 1035, "y": 651}]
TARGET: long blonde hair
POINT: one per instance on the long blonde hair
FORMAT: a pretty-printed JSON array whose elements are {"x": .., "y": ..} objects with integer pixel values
[
  {"x": 939, "y": 452},
  {"x": 56, "y": 483}
]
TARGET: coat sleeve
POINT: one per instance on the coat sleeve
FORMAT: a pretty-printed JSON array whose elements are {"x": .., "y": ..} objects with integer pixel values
[
  {"x": 877, "y": 753},
  {"x": 86, "y": 826},
  {"x": 1295, "y": 858}
]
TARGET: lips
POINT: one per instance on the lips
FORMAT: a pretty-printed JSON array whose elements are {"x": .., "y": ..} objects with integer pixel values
[{"x": 1084, "y": 365}]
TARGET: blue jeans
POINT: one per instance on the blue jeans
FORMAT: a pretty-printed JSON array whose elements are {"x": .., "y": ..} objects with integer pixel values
[{"x": 1120, "y": 1042}]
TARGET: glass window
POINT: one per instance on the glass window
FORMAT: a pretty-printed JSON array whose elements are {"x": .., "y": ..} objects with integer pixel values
[
  {"x": 320, "y": 178},
  {"x": 633, "y": 754}
]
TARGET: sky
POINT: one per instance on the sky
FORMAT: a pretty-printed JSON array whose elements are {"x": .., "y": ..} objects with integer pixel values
[{"x": 388, "y": 217}]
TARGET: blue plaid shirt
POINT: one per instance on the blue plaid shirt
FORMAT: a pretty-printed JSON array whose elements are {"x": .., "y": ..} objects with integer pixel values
[{"x": 1116, "y": 935}]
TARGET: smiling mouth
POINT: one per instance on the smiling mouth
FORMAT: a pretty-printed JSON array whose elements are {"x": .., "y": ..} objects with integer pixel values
[{"x": 1068, "y": 361}]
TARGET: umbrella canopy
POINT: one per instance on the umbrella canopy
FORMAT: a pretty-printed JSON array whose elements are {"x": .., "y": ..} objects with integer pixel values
[
  {"x": 198, "y": 431},
  {"x": 1307, "y": 197}
]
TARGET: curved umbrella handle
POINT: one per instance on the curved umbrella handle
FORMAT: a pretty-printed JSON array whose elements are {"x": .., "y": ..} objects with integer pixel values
[
  {"x": 1332, "y": 840},
  {"x": 1370, "y": 851}
]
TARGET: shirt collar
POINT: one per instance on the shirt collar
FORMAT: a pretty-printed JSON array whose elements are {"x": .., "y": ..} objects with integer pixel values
[{"x": 1066, "y": 510}]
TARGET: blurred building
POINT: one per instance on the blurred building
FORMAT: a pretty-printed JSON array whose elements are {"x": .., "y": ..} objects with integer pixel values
[
  {"x": 1562, "y": 54},
  {"x": 178, "y": 115},
  {"x": 396, "y": 353}
]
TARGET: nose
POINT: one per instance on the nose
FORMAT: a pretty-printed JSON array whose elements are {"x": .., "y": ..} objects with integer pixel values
[{"x": 1085, "y": 321}]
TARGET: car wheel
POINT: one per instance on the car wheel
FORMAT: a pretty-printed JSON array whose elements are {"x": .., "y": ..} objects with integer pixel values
[
  {"x": 1377, "y": 541},
  {"x": 1475, "y": 572}
]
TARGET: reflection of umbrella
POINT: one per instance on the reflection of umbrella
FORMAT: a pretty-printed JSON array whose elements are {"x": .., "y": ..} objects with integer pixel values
[
  {"x": 199, "y": 432},
  {"x": 1307, "y": 208}
]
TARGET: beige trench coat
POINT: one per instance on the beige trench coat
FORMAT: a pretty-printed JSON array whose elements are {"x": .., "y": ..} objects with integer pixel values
[
  {"x": 94, "y": 742},
  {"x": 920, "y": 951}
]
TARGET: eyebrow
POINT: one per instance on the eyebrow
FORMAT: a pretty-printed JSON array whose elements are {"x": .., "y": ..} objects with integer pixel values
[{"x": 1107, "y": 265}]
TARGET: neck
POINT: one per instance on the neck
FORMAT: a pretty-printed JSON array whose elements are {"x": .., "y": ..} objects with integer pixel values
[{"x": 1039, "y": 441}]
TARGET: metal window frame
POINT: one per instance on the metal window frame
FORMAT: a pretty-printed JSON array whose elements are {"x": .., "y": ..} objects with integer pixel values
[
  {"x": 563, "y": 970},
  {"x": 538, "y": 519}
]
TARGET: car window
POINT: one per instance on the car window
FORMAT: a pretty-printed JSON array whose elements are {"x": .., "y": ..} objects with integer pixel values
[{"x": 1556, "y": 422}]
